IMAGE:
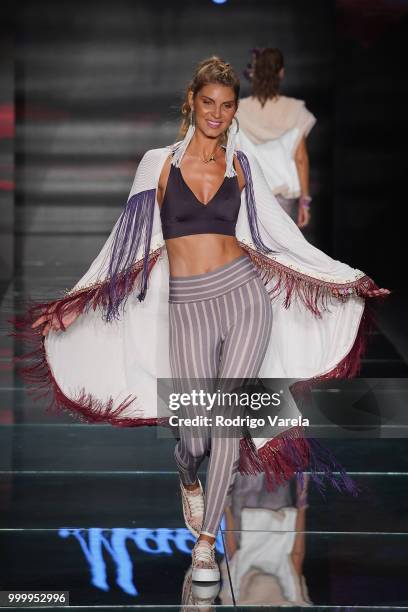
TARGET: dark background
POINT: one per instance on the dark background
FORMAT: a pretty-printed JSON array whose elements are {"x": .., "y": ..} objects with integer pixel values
[
  {"x": 86, "y": 88},
  {"x": 95, "y": 84}
]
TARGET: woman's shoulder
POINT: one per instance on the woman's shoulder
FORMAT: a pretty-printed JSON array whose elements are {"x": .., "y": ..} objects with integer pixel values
[{"x": 296, "y": 109}]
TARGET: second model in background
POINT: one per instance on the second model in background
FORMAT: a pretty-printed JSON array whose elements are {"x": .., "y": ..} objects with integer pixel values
[{"x": 274, "y": 128}]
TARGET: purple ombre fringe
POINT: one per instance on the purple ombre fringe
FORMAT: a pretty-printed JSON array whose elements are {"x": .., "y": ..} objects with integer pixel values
[
  {"x": 324, "y": 465},
  {"x": 289, "y": 455},
  {"x": 251, "y": 204},
  {"x": 135, "y": 228}
]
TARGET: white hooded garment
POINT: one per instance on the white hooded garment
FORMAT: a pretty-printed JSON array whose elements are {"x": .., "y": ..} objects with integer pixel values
[
  {"x": 272, "y": 132},
  {"x": 106, "y": 370}
]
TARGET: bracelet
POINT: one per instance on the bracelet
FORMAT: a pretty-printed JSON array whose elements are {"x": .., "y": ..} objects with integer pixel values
[{"x": 304, "y": 201}]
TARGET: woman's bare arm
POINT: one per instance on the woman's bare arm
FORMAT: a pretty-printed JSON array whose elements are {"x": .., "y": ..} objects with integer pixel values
[{"x": 302, "y": 166}]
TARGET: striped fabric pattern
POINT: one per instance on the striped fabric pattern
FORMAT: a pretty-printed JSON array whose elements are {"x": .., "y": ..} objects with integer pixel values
[{"x": 220, "y": 323}]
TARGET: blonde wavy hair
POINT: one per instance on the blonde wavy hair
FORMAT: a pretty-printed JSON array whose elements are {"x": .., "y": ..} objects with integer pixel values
[{"x": 211, "y": 70}]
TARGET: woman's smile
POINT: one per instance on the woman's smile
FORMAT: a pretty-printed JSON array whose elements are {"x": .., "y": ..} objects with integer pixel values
[{"x": 214, "y": 124}]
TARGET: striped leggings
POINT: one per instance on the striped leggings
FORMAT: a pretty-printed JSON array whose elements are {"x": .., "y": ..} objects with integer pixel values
[{"x": 220, "y": 324}]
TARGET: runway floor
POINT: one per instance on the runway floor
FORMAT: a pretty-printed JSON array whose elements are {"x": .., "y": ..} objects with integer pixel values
[{"x": 96, "y": 511}]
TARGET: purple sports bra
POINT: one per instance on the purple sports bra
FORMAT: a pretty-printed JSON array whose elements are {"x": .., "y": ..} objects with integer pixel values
[{"x": 183, "y": 214}]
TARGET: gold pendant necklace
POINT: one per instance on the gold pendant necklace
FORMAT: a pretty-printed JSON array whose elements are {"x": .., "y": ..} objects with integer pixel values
[{"x": 211, "y": 158}]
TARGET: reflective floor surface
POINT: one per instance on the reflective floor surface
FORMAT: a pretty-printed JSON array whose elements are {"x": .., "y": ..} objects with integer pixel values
[{"x": 96, "y": 511}]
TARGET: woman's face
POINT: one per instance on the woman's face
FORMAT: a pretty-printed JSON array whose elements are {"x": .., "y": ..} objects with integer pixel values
[{"x": 214, "y": 107}]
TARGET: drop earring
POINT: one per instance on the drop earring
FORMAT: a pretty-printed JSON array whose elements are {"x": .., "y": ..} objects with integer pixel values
[
  {"x": 230, "y": 148},
  {"x": 183, "y": 144}
]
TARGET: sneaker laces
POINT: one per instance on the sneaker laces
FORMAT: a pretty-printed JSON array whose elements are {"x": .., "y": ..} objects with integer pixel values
[
  {"x": 204, "y": 553},
  {"x": 196, "y": 502}
]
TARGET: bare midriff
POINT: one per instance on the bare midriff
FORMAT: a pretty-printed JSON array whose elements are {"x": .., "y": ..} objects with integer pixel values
[{"x": 201, "y": 253}]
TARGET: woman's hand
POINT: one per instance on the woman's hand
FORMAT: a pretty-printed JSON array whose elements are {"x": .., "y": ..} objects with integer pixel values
[
  {"x": 378, "y": 292},
  {"x": 52, "y": 321},
  {"x": 303, "y": 216}
]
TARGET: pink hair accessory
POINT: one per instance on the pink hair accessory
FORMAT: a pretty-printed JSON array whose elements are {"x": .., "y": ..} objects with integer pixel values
[{"x": 249, "y": 70}]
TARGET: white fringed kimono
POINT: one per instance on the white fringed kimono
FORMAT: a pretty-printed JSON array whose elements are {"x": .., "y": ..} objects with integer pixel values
[{"x": 104, "y": 367}]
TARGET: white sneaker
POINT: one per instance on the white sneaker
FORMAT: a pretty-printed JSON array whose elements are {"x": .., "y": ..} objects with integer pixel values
[
  {"x": 193, "y": 508},
  {"x": 205, "y": 567}
]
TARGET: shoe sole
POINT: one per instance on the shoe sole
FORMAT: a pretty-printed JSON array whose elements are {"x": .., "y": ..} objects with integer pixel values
[{"x": 202, "y": 574}]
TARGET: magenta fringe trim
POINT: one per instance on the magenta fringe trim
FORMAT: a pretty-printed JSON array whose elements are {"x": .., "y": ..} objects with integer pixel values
[
  {"x": 35, "y": 369},
  {"x": 350, "y": 365},
  {"x": 289, "y": 454},
  {"x": 94, "y": 296},
  {"x": 315, "y": 294}
]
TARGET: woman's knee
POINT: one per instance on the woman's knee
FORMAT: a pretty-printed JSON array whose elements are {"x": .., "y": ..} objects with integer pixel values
[
  {"x": 226, "y": 447},
  {"x": 191, "y": 447}
]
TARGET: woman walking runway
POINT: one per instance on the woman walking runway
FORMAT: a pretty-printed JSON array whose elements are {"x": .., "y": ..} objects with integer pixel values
[
  {"x": 203, "y": 275},
  {"x": 274, "y": 128}
]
